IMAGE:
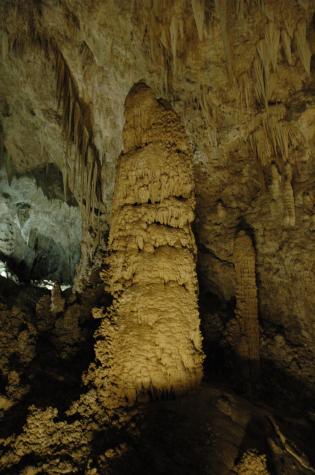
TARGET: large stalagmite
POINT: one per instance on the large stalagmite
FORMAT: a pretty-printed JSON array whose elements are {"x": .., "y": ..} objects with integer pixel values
[{"x": 150, "y": 341}]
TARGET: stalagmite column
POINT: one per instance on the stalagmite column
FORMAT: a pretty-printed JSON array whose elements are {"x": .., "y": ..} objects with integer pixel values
[
  {"x": 57, "y": 304},
  {"x": 150, "y": 341},
  {"x": 246, "y": 307},
  {"x": 288, "y": 198}
]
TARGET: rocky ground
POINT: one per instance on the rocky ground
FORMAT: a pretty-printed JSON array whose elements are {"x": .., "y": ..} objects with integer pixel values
[{"x": 47, "y": 426}]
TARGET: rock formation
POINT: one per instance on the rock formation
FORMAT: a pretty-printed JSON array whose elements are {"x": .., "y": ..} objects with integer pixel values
[
  {"x": 149, "y": 341},
  {"x": 252, "y": 463},
  {"x": 248, "y": 343},
  {"x": 57, "y": 303}
]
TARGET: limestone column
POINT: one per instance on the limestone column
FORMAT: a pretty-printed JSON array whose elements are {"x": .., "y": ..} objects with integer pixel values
[
  {"x": 149, "y": 341},
  {"x": 246, "y": 312}
]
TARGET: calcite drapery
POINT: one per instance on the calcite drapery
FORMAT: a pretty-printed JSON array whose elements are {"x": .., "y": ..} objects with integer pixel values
[{"x": 150, "y": 342}]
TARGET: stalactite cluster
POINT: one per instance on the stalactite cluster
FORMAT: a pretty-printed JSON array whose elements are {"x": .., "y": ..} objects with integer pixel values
[
  {"x": 150, "y": 341},
  {"x": 275, "y": 139},
  {"x": 77, "y": 126},
  {"x": 288, "y": 197},
  {"x": 274, "y": 144},
  {"x": 165, "y": 28},
  {"x": 82, "y": 167},
  {"x": 82, "y": 161},
  {"x": 268, "y": 50},
  {"x": 243, "y": 7},
  {"x": 246, "y": 312}
]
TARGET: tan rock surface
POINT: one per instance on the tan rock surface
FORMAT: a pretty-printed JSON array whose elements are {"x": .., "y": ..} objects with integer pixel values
[{"x": 150, "y": 342}]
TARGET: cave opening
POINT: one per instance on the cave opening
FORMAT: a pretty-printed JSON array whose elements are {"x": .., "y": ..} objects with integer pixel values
[
  {"x": 40, "y": 230},
  {"x": 46, "y": 335}
]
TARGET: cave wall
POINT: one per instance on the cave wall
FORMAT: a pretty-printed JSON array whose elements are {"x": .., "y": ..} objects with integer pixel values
[
  {"x": 240, "y": 75},
  {"x": 40, "y": 232}
]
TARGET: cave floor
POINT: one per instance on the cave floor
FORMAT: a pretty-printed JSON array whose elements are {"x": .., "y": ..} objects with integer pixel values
[
  {"x": 208, "y": 432},
  {"x": 212, "y": 430}
]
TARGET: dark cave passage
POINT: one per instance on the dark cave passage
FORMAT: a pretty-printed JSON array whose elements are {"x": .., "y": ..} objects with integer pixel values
[{"x": 40, "y": 233}]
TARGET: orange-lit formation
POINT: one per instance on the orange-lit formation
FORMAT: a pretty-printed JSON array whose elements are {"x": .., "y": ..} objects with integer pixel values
[{"x": 150, "y": 339}]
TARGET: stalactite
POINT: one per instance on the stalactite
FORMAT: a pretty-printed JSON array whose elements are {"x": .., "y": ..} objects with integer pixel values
[
  {"x": 78, "y": 131},
  {"x": 9, "y": 166},
  {"x": 261, "y": 82},
  {"x": 286, "y": 44},
  {"x": 274, "y": 140},
  {"x": 272, "y": 40},
  {"x": 303, "y": 48},
  {"x": 275, "y": 182},
  {"x": 222, "y": 9},
  {"x": 206, "y": 106},
  {"x": 265, "y": 62},
  {"x": 65, "y": 182},
  {"x": 246, "y": 311},
  {"x": 242, "y": 7},
  {"x": 277, "y": 135},
  {"x": 288, "y": 198},
  {"x": 4, "y": 46},
  {"x": 198, "y": 8},
  {"x": 150, "y": 340},
  {"x": 245, "y": 90},
  {"x": 87, "y": 54},
  {"x": 264, "y": 56},
  {"x": 261, "y": 146},
  {"x": 174, "y": 39},
  {"x": 296, "y": 137}
]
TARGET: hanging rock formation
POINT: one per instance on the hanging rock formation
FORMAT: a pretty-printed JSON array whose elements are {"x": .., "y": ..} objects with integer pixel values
[{"x": 150, "y": 341}]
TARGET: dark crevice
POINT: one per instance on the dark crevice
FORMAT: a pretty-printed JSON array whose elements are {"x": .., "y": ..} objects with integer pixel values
[{"x": 204, "y": 249}]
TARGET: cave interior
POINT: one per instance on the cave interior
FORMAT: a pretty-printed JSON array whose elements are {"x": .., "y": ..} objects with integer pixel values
[{"x": 157, "y": 237}]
